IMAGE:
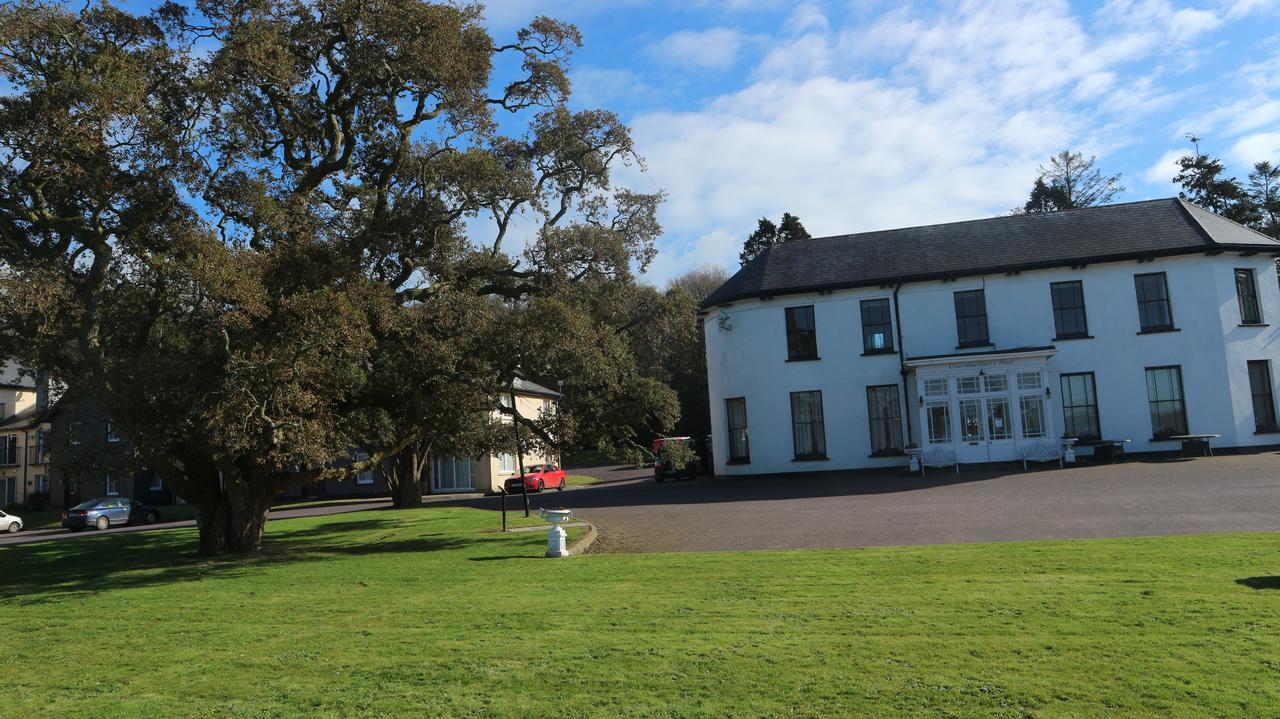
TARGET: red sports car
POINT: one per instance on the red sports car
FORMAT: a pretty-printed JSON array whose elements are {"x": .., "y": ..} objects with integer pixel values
[{"x": 537, "y": 478}]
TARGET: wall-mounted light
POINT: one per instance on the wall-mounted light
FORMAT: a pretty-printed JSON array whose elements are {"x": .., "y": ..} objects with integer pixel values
[
  {"x": 1048, "y": 392},
  {"x": 921, "y": 401}
]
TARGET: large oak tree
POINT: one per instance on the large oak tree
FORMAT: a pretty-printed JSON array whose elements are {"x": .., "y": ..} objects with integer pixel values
[{"x": 263, "y": 233}]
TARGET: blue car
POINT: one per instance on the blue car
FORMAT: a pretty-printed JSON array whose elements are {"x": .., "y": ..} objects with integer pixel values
[{"x": 108, "y": 512}]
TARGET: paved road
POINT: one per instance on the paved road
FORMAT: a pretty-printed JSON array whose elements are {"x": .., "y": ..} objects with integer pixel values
[
  {"x": 42, "y": 535},
  {"x": 1137, "y": 498},
  {"x": 608, "y": 474},
  {"x": 1223, "y": 494}
]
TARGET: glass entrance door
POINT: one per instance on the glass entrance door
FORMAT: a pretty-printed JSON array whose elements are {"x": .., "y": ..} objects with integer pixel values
[{"x": 986, "y": 419}]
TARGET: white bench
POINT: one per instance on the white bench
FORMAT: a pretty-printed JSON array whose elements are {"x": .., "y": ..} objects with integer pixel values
[
  {"x": 1041, "y": 452},
  {"x": 939, "y": 457}
]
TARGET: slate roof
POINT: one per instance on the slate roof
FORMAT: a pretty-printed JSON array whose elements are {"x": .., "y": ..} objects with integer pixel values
[
  {"x": 1149, "y": 228},
  {"x": 28, "y": 417}
]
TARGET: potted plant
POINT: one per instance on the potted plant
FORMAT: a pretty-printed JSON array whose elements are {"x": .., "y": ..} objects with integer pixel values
[
  {"x": 913, "y": 452},
  {"x": 1068, "y": 450}
]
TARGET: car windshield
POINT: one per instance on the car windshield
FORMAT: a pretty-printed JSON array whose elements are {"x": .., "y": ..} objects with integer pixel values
[{"x": 86, "y": 505}]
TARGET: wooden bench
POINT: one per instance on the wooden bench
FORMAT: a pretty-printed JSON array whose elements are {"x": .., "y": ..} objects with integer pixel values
[
  {"x": 939, "y": 457},
  {"x": 1041, "y": 452}
]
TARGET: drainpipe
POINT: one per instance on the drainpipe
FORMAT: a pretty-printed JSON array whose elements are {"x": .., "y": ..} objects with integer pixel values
[{"x": 902, "y": 361}]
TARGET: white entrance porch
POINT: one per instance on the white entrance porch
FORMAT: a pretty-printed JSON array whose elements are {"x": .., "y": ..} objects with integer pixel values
[{"x": 988, "y": 407}]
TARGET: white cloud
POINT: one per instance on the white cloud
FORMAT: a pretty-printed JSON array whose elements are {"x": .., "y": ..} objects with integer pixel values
[
  {"x": 1255, "y": 148},
  {"x": 807, "y": 16},
  {"x": 1237, "y": 9},
  {"x": 715, "y": 48},
  {"x": 1163, "y": 171},
  {"x": 920, "y": 116},
  {"x": 602, "y": 87}
]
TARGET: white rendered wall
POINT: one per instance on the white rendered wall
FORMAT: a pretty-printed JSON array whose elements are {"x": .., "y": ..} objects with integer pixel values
[{"x": 751, "y": 359}]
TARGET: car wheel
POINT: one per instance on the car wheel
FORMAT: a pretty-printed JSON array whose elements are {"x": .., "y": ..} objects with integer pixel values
[
  {"x": 14, "y": 527},
  {"x": 541, "y": 486},
  {"x": 561, "y": 487},
  {"x": 151, "y": 517},
  {"x": 102, "y": 523}
]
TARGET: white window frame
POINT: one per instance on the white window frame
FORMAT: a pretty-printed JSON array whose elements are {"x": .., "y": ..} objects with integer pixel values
[
  {"x": 113, "y": 437},
  {"x": 364, "y": 478},
  {"x": 507, "y": 463},
  {"x": 157, "y": 483},
  {"x": 112, "y": 488}
]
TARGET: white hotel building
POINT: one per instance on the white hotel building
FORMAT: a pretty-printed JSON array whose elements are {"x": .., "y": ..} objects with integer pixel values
[{"x": 991, "y": 339}]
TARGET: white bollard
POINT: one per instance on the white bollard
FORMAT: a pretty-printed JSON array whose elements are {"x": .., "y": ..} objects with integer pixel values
[{"x": 555, "y": 542}]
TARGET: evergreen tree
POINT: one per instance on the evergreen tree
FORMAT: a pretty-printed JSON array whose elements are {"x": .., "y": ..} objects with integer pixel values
[
  {"x": 1264, "y": 191},
  {"x": 1204, "y": 182},
  {"x": 767, "y": 234}
]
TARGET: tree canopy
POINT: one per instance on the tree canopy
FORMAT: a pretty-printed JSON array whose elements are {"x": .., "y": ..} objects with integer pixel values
[
  {"x": 767, "y": 234},
  {"x": 261, "y": 235},
  {"x": 1071, "y": 181}
]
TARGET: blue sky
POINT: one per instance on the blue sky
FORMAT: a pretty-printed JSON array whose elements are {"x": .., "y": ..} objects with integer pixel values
[{"x": 860, "y": 115}]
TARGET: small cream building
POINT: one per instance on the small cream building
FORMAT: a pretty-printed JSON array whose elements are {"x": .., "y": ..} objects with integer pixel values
[
  {"x": 488, "y": 473},
  {"x": 24, "y": 455}
]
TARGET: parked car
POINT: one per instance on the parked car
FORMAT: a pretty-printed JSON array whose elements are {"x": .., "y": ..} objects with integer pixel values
[
  {"x": 108, "y": 512},
  {"x": 10, "y": 523},
  {"x": 537, "y": 478},
  {"x": 663, "y": 472}
]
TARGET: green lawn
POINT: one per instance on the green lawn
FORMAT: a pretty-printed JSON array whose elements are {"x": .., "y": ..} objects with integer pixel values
[
  {"x": 578, "y": 480},
  {"x": 429, "y": 613}
]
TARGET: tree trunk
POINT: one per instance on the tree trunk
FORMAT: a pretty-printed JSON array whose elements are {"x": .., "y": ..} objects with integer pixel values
[
  {"x": 233, "y": 522},
  {"x": 405, "y": 480}
]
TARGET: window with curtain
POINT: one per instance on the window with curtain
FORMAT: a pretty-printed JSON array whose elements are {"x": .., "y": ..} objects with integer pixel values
[
  {"x": 1068, "y": 309},
  {"x": 802, "y": 336},
  {"x": 877, "y": 327},
  {"x": 939, "y": 414},
  {"x": 506, "y": 462},
  {"x": 1080, "y": 406},
  {"x": 9, "y": 449},
  {"x": 1264, "y": 403},
  {"x": 1154, "y": 313},
  {"x": 807, "y": 431},
  {"x": 736, "y": 415},
  {"x": 1247, "y": 294},
  {"x": 1164, "y": 395},
  {"x": 971, "y": 318},
  {"x": 884, "y": 416}
]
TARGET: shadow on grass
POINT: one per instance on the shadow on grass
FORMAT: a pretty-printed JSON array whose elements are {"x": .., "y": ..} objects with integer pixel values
[
  {"x": 47, "y": 571},
  {"x": 1272, "y": 582}
]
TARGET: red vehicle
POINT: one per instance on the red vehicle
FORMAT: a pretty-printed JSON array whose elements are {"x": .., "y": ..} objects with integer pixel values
[{"x": 537, "y": 477}]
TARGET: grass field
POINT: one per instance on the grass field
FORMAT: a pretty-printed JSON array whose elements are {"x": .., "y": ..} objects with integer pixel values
[
  {"x": 580, "y": 480},
  {"x": 430, "y": 613}
]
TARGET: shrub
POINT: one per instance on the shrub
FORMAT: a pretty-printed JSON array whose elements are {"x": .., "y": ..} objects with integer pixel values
[{"x": 37, "y": 501}]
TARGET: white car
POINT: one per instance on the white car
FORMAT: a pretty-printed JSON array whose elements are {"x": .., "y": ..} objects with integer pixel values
[{"x": 10, "y": 523}]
